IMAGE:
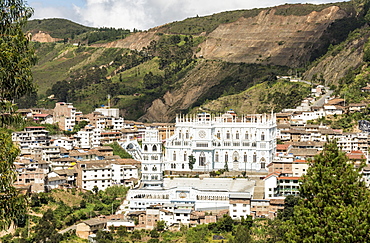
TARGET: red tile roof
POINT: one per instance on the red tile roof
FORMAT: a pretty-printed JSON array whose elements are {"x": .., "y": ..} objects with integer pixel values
[
  {"x": 41, "y": 115},
  {"x": 289, "y": 178},
  {"x": 282, "y": 146}
]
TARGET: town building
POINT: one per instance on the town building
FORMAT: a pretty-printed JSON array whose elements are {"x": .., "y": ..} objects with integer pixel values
[
  {"x": 31, "y": 137},
  {"x": 218, "y": 142},
  {"x": 65, "y": 116}
]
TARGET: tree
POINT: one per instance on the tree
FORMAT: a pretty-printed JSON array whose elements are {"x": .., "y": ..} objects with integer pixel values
[
  {"x": 192, "y": 161},
  {"x": 161, "y": 225},
  {"x": 289, "y": 203},
  {"x": 334, "y": 202},
  {"x": 16, "y": 60},
  {"x": 46, "y": 231},
  {"x": 242, "y": 234}
]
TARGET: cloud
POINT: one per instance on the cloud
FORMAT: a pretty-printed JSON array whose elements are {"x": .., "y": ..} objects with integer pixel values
[{"x": 145, "y": 14}]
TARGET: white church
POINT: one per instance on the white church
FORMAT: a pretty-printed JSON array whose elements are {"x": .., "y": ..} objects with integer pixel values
[
  {"x": 239, "y": 143},
  {"x": 245, "y": 143}
]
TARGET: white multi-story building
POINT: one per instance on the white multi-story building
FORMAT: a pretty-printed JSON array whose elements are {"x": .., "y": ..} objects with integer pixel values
[
  {"x": 248, "y": 142},
  {"x": 30, "y": 138},
  {"x": 89, "y": 137},
  {"x": 64, "y": 142},
  {"x": 110, "y": 123},
  {"x": 108, "y": 112},
  {"x": 151, "y": 163},
  {"x": 95, "y": 174},
  {"x": 205, "y": 194},
  {"x": 122, "y": 173}
]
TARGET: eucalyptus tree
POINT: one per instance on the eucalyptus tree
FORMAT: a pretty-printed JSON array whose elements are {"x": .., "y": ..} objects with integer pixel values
[{"x": 16, "y": 60}]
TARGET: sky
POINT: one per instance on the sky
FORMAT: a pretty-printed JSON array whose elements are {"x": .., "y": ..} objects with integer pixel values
[{"x": 142, "y": 14}]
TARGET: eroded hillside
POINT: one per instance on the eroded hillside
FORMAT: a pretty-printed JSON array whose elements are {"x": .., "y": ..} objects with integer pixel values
[
  {"x": 340, "y": 59},
  {"x": 270, "y": 38}
]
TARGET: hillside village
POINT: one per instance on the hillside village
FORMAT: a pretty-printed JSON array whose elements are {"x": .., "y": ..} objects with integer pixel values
[{"x": 188, "y": 172}]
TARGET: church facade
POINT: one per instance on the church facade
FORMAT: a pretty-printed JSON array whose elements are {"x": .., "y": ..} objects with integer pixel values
[{"x": 218, "y": 142}]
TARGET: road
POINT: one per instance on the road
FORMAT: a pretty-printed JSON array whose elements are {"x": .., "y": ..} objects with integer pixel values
[{"x": 320, "y": 102}]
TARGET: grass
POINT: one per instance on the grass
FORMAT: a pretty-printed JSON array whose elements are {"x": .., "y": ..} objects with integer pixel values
[{"x": 67, "y": 197}]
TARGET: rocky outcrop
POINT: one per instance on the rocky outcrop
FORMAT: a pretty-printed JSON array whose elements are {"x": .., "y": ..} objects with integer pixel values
[
  {"x": 43, "y": 37},
  {"x": 269, "y": 38},
  {"x": 337, "y": 62},
  {"x": 134, "y": 42}
]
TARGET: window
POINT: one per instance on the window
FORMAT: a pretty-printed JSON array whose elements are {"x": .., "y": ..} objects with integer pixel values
[
  {"x": 216, "y": 157},
  {"x": 174, "y": 156},
  {"x": 155, "y": 148},
  {"x": 145, "y": 148},
  {"x": 154, "y": 168},
  {"x": 237, "y": 135},
  {"x": 226, "y": 157},
  {"x": 263, "y": 163},
  {"x": 235, "y": 156},
  {"x": 245, "y": 157},
  {"x": 183, "y": 166},
  {"x": 228, "y": 135},
  {"x": 187, "y": 134},
  {"x": 202, "y": 159},
  {"x": 246, "y": 136},
  {"x": 254, "y": 157},
  {"x": 185, "y": 156},
  {"x": 263, "y": 136},
  {"x": 218, "y": 135}
]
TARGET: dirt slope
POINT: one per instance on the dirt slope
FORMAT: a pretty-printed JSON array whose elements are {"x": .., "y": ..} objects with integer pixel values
[
  {"x": 193, "y": 85},
  {"x": 270, "y": 38}
]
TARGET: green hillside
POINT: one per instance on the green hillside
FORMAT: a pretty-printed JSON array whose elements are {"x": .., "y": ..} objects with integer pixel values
[
  {"x": 169, "y": 70},
  {"x": 57, "y": 28}
]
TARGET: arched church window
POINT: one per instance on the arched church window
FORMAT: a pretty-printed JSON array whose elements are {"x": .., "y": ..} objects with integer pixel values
[
  {"x": 202, "y": 159},
  {"x": 263, "y": 163},
  {"x": 154, "y": 148},
  {"x": 235, "y": 156}
]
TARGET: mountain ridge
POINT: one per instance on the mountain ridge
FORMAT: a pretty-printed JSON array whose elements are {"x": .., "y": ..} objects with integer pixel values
[{"x": 157, "y": 73}]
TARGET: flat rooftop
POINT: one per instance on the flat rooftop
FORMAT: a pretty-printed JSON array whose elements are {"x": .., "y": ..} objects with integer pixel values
[{"x": 211, "y": 184}]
